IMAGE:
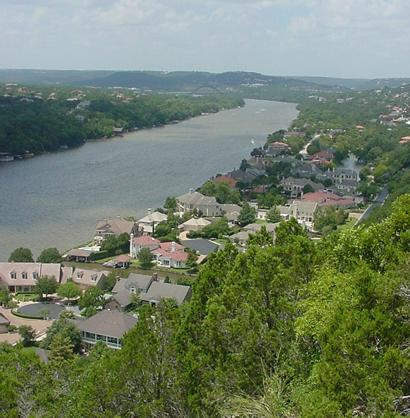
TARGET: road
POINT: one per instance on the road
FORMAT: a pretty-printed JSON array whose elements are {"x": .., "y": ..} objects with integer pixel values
[{"x": 377, "y": 201}]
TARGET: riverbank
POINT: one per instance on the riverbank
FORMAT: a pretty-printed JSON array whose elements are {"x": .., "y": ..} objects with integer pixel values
[{"x": 118, "y": 132}]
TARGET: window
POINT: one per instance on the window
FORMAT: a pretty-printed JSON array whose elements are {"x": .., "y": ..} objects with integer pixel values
[
  {"x": 112, "y": 340},
  {"x": 35, "y": 275},
  {"x": 94, "y": 277},
  {"x": 13, "y": 275},
  {"x": 24, "y": 275},
  {"x": 79, "y": 274},
  {"x": 101, "y": 337},
  {"x": 89, "y": 335},
  {"x": 133, "y": 289}
]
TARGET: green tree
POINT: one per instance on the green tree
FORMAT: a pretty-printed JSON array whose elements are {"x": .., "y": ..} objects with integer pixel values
[
  {"x": 5, "y": 296},
  {"x": 170, "y": 203},
  {"x": 46, "y": 286},
  {"x": 49, "y": 255},
  {"x": 65, "y": 328},
  {"x": 145, "y": 258},
  {"x": 327, "y": 219},
  {"x": 69, "y": 290},
  {"x": 247, "y": 215},
  {"x": 110, "y": 281},
  {"x": 21, "y": 255},
  {"x": 273, "y": 215},
  {"x": 307, "y": 188},
  {"x": 61, "y": 349},
  {"x": 91, "y": 300},
  {"x": 27, "y": 334}
]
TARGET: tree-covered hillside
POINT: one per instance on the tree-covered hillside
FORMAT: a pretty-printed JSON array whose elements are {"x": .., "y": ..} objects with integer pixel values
[
  {"x": 295, "y": 329},
  {"x": 39, "y": 119}
]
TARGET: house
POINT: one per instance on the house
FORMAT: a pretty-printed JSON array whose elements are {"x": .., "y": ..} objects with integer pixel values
[
  {"x": 242, "y": 237},
  {"x": 246, "y": 176},
  {"x": 276, "y": 148},
  {"x": 114, "y": 226},
  {"x": 231, "y": 211},
  {"x": 327, "y": 198},
  {"x": 122, "y": 261},
  {"x": 170, "y": 254},
  {"x": 201, "y": 246},
  {"x": 303, "y": 211},
  {"x": 339, "y": 175},
  {"x": 79, "y": 255},
  {"x": 262, "y": 214},
  {"x": 148, "y": 289},
  {"x": 295, "y": 186},
  {"x": 323, "y": 157},
  {"x": 159, "y": 291},
  {"x": 89, "y": 278},
  {"x": 143, "y": 241},
  {"x": 106, "y": 326},
  {"x": 195, "y": 201},
  {"x": 306, "y": 170},
  {"x": 22, "y": 277},
  {"x": 225, "y": 179},
  {"x": 404, "y": 140},
  {"x": 194, "y": 224},
  {"x": 4, "y": 324},
  {"x": 148, "y": 223}
]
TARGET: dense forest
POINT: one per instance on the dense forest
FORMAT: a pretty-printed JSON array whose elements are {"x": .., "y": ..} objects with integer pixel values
[
  {"x": 43, "y": 119},
  {"x": 295, "y": 329}
]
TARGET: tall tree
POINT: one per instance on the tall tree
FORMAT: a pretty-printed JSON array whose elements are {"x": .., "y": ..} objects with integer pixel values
[
  {"x": 21, "y": 255},
  {"x": 49, "y": 255},
  {"x": 46, "y": 286}
]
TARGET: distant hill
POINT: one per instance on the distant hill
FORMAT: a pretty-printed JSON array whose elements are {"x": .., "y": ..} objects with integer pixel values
[
  {"x": 191, "y": 80},
  {"x": 357, "y": 83},
  {"x": 49, "y": 76},
  {"x": 184, "y": 81}
]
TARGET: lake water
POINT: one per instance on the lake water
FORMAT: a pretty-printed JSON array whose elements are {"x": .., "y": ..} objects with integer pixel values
[{"x": 54, "y": 200}]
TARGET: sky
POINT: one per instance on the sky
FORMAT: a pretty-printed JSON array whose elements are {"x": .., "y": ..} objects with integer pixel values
[{"x": 339, "y": 38}]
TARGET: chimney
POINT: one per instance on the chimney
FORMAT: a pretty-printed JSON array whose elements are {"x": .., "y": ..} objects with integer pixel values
[
  {"x": 149, "y": 211},
  {"x": 155, "y": 277},
  {"x": 173, "y": 246},
  {"x": 131, "y": 239},
  {"x": 191, "y": 191}
]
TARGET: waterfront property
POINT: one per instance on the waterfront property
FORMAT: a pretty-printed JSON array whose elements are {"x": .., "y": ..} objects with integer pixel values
[
  {"x": 195, "y": 201},
  {"x": 147, "y": 224},
  {"x": 165, "y": 254},
  {"x": 114, "y": 226},
  {"x": 106, "y": 326}
]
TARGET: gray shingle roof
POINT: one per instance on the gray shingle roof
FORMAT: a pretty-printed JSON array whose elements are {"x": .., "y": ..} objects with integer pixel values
[
  {"x": 109, "y": 323},
  {"x": 203, "y": 246},
  {"x": 159, "y": 291}
]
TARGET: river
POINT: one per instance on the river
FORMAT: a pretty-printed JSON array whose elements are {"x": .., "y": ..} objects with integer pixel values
[{"x": 54, "y": 200}]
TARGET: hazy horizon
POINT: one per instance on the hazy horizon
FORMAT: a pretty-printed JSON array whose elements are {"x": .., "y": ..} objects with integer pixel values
[
  {"x": 198, "y": 71},
  {"x": 319, "y": 38}
]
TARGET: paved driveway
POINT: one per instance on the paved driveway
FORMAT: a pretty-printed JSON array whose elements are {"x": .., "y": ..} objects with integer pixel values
[{"x": 40, "y": 326}]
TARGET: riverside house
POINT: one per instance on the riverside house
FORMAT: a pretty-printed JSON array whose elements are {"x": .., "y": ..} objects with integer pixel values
[
  {"x": 195, "y": 201},
  {"x": 114, "y": 226}
]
